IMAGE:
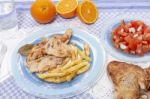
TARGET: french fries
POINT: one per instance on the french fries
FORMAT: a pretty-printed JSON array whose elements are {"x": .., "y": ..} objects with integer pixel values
[
  {"x": 46, "y": 75},
  {"x": 72, "y": 63},
  {"x": 73, "y": 52},
  {"x": 71, "y": 76},
  {"x": 76, "y": 67},
  {"x": 86, "y": 49},
  {"x": 78, "y": 64},
  {"x": 83, "y": 69},
  {"x": 82, "y": 54},
  {"x": 61, "y": 79},
  {"x": 56, "y": 80}
]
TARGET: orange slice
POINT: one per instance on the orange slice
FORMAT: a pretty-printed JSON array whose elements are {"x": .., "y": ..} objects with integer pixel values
[
  {"x": 67, "y": 8},
  {"x": 87, "y": 12}
]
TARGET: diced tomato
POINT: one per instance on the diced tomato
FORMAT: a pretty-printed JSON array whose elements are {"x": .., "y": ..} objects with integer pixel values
[
  {"x": 118, "y": 29},
  {"x": 146, "y": 48},
  {"x": 144, "y": 42},
  {"x": 132, "y": 52},
  {"x": 116, "y": 45},
  {"x": 140, "y": 38},
  {"x": 139, "y": 33},
  {"x": 116, "y": 38},
  {"x": 126, "y": 50},
  {"x": 123, "y": 34},
  {"x": 123, "y": 23},
  {"x": 128, "y": 38},
  {"x": 125, "y": 43},
  {"x": 132, "y": 43},
  {"x": 135, "y": 41},
  {"x": 117, "y": 41},
  {"x": 144, "y": 28},
  {"x": 135, "y": 35},
  {"x": 146, "y": 36},
  {"x": 121, "y": 39},
  {"x": 140, "y": 23},
  {"x": 134, "y": 24},
  {"x": 114, "y": 32},
  {"x": 139, "y": 50},
  {"x": 147, "y": 30},
  {"x": 127, "y": 26}
]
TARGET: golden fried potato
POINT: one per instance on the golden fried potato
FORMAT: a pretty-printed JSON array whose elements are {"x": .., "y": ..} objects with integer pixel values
[
  {"x": 86, "y": 49},
  {"x": 76, "y": 67},
  {"x": 83, "y": 69},
  {"x": 48, "y": 75}
]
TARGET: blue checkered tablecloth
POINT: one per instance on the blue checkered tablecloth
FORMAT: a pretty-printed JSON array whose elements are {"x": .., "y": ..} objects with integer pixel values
[
  {"x": 9, "y": 90},
  {"x": 103, "y": 89}
]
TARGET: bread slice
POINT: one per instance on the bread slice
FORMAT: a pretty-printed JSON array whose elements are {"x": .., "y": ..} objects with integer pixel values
[
  {"x": 147, "y": 78},
  {"x": 128, "y": 79}
]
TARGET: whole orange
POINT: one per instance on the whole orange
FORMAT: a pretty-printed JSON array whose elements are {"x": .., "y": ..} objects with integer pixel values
[{"x": 43, "y": 11}]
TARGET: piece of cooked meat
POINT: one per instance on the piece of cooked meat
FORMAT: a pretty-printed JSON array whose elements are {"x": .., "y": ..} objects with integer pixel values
[
  {"x": 25, "y": 50},
  {"x": 35, "y": 54},
  {"x": 127, "y": 79},
  {"x": 44, "y": 63},
  {"x": 57, "y": 45},
  {"x": 66, "y": 36},
  {"x": 37, "y": 50},
  {"x": 49, "y": 53}
]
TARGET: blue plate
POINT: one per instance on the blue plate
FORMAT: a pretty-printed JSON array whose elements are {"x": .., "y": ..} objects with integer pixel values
[
  {"x": 31, "y": 84},
  {"x": 108, "y": 44}
]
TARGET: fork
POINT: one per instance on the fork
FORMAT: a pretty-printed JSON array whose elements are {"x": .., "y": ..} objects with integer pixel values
[{"x": 3, "y": 51}]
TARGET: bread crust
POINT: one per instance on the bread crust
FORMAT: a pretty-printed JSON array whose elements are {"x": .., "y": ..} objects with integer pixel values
[{"x": 128, "y": 79}]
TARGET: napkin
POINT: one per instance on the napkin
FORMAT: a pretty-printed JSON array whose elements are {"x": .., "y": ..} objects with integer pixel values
[{"x": 10, "y": 38}]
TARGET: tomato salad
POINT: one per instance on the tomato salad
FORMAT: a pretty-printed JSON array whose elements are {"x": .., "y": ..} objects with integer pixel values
[{"x": 132, "y": 37}]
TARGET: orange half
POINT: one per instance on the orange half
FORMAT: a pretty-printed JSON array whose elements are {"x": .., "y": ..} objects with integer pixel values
[
  {"x": 67, "y": 8},
  {"x": 87, "y": 12}
]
